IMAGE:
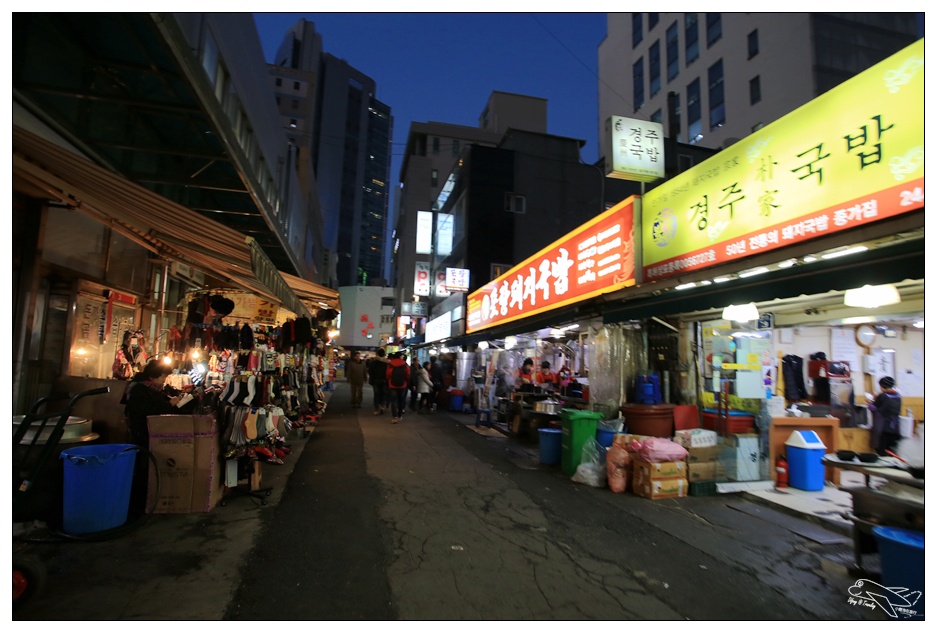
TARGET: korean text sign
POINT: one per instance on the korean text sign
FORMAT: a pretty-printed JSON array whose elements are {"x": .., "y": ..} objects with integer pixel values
[
  {"x": 848, "y": 158},
  {"x": 595, "y": 258}
]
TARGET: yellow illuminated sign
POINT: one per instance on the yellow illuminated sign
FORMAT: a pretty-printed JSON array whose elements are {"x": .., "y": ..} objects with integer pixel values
[{"x": 848, "y": 158}]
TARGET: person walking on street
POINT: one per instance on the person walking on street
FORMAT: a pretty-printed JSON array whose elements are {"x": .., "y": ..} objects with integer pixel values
[
  {"x": 435, "y": 373},
  {"x": 414, "y": 395},
  {"x": 424, "y": 387},
  {"x": 398, "y": 380},
  {"x": 356, "y": 374},
  {"x": 377, "y": 376}
]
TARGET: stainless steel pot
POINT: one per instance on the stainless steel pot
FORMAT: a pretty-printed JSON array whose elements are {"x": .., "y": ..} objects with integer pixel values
[{"x": 547, "y": 406}]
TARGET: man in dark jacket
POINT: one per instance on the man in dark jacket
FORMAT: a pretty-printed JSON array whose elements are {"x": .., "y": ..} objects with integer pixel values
[
  {"x": 377, "y": 376},
  {"x": 885, "y": 410},
  {"x": 356, "y": 374}
]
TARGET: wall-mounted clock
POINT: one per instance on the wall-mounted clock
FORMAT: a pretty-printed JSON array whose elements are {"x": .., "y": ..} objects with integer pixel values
[{"x": 865, "y": 335}]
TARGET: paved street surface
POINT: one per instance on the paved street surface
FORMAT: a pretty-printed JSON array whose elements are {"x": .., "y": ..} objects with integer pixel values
[{"x": 434, "y": 519}]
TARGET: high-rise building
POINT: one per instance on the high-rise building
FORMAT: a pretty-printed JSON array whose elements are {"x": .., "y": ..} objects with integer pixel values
[
  {"x": 713, "y": 78},
  {"x": 336, "y": 122}
]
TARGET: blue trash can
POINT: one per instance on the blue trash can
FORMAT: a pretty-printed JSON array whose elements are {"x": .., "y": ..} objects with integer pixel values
[
  {"x": 902, "y": 566},
  {"x": 550, "y": 446},
  {"x": 455, "y": 403},
  {"x": 96, "y": 490},
  {"x": 804, "y": 452}
]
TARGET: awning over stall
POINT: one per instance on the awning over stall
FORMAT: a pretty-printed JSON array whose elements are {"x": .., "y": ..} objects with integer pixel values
[
  {"x": 309, "y": 292},
  {"x": 160, "y": 225}
]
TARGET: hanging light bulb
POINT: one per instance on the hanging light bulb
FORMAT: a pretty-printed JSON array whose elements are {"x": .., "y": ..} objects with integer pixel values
[{"x": 871, "y": 296}]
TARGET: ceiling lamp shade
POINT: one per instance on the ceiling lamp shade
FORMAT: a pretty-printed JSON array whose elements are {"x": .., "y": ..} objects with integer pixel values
[
  {"x": 871, "y": 296},
  {"x": 741, "y": 313}
]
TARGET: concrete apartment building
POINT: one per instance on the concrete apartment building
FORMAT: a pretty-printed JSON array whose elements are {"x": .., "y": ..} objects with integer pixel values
[
  {"x": 337, "y": 124},
  {"x": 731, "y": 73}
]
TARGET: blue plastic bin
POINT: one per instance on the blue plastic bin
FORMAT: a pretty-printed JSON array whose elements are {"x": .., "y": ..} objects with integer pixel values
[
  {"x": 604, "y": 437},
  {"x": 804, "y": 452},
  {"x": 902, "y": 566},
  {"x": 550, "y": 446},
  {"x": 455, "y": 402},
  {"x": 96, "y": 490}
]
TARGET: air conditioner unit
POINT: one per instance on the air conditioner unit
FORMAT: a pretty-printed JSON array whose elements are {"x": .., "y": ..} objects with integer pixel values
[{"x": 514, "y": 203}]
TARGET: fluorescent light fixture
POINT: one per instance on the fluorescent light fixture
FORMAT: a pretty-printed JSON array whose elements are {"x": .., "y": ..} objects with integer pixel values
[
  {"x": 809, "y": 259},
  {"x": 510, "y": 342},
  {"x": 842, "y": 253},
  {"x": 706, "y": 282},
  {"x": 857, "y": 320},
  {"x": 789, "y": 263},
  {"x": 483, "y": 345},
  {"x": 741, "y": 313},
  {"x": 568, "y": 327},
  {"x": 754, "y": 272},
  {"x": 684, "y": 286},
  {"x": 889, "y": 350},
  {"x": 871, "y": 296},
  {"x": 919, "y": 324},
  {"x": 721, "y": 279}
]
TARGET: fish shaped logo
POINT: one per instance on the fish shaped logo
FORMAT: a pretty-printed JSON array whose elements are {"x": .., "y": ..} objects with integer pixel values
[{"x": 889, "y": 599}]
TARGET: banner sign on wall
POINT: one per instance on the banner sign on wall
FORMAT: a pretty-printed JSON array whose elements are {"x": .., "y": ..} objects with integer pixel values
[
  {"x": 423, "y": 232},
  {"x": 439, "y": 328},
  {"x": 636, "y": 149},
  {"x": 422, "y": 283},
  {"x": 440, "y": 288},
  {"x": 595, "y": 258},
  {"x": 850, "y": 157}
]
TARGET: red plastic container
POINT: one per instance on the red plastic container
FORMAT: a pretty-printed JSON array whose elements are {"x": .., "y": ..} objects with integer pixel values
[{"x": 736, "y": 423}]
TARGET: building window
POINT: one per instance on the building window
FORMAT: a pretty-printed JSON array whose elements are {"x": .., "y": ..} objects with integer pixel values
[
  {"x": 652, "y": 19},
  {"x": 435, "y": 177},
  {"x": 295, "y": 85},
  {"x": 672, "y": 51},
  {"x": 514, "y": 203},
  {"x": 676, "y": 112},
  {"x": 712, "y": 28},
  {"x": 694, "y": 111},
  {"x": 753, "y": 45},
  {"x": 638, "y": 84},
  {"x": 692, "y": 37},
  {"x": 435, "y": 145},
  {"x": 654, "y": 68},
  {"x": 456, "y": 147},
  {"x": 636, "y": 28},
  {"x": 754, "y": 86},
  {"x": 293, "y": 123},
  {"x": 279, "y": 82},
  {"x": 295, "y": 104},
  {"x": 716, "y": 95},
  {"x": 657, "y": 117}
]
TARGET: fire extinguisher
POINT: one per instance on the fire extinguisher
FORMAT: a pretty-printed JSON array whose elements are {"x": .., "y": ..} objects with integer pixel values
[{"x": 783, "y": 472}]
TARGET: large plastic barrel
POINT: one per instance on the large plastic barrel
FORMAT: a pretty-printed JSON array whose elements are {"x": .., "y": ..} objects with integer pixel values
[
  {"x": 96, "y": 490},
  {"x": 550, "y": 446},
  {"x": 902, "y": 566}
]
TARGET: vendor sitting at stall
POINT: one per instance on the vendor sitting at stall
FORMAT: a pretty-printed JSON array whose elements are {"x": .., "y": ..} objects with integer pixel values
[
  {"x": 525, "y": 376},
  {"x": 545, "y": 378}
]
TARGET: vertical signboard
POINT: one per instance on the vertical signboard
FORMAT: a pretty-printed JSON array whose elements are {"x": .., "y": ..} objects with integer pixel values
[
  {"x": 421, "y": 286},
  {"x": 445, "y": 233},
  {"x": 424, "y": 232},
  {"x": 440, "y": 288},
  {"x": 636, "y": 149}
]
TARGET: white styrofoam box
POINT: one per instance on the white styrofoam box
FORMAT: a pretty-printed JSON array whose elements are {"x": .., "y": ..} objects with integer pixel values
[
  {"x": 776, "y": 407},
  {"x": 742, "y": 458},
  {"x": 906, "y": 426},
  {"x": 696, "y": 438}
]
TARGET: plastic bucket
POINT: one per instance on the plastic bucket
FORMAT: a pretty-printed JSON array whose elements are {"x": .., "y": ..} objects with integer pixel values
[
  {"x": 902, "y": 565},
  {"x": 550, "y": 446},
  {"x": 96, "y": 491},
  {"x": 604, "y": 437},
  {"x": 455, "y": 402}
]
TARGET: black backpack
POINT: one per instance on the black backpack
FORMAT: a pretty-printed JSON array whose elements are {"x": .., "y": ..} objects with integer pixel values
[{"x": 398, "y": 376}]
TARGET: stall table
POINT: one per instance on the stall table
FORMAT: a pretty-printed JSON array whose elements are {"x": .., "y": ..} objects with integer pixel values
[
  {"x": 880, "y": 506},
  {"x": 827, "y": 428}
]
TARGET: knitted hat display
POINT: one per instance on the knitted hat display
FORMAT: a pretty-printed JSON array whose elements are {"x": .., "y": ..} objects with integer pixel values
[
  {"x": 221, "y": 305},
  {"x": 246, "y": 338}
]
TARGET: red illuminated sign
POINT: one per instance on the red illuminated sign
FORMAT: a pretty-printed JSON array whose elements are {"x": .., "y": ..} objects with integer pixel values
[{"x": 595, "y": 258}]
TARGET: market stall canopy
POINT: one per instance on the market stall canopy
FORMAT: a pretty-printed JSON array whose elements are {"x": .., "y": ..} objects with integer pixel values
[
  {"x": 315, "y": 296},
  {"x": 160, "y": 225}
]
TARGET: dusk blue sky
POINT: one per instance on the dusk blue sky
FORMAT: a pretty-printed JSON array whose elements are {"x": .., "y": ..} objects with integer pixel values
[{"x": 443, "y": 66}]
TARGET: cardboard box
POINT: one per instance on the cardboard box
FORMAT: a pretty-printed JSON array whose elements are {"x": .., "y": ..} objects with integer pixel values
[
  {"x": 742, "y": 457},
  {"x": 704, "y": 455},
  {"x": 627, "y": 438},
  {"x": 654, "y": 471},
  {"x": 696, "y": 438},
  {"x": 702, "y": 471},
  {"x": 662, "y": 488},
  {"x": 188, "y": 457}
]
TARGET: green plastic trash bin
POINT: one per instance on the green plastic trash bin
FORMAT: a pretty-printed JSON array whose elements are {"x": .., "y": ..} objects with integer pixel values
[{"x": 577, "y": 427}]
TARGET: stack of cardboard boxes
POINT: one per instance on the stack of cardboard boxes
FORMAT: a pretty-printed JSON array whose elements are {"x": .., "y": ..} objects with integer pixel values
[
  {"x": 702, "y": 462},
  {"x": 187, "y": 453},
  {"x": 660, "y": 480}
]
